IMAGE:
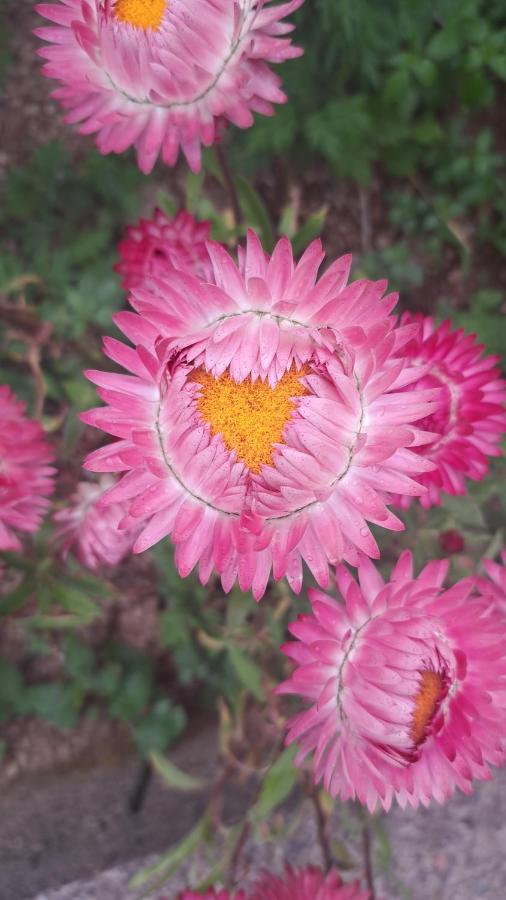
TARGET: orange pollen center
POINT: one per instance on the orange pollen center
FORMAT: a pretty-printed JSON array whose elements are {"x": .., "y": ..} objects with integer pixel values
[
  {"x": 250, "y": 416},
  {"x": 141, "y": 13},
  {"x": 428, "y": 697}
]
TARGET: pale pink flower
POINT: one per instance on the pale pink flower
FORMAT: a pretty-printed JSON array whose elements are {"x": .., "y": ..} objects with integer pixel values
[
  {"x": 471, "y": 415},
  {"x": 407, "y": 686},
  {"x": 26, "y": 478},
  {"x": 495, "y": 585},
  {"x": 306, "y": 884},
  {"x": 93, "y": 532},
  {"x": 154, "y": 246},
  {"x": 265, "y": 420},
  {"x": 161, "y": 75}
]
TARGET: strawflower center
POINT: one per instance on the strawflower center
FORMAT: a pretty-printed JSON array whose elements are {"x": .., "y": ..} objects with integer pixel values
[
  {"x": 251, "y": 415},
  {"x": 146, "y": 14},
  {"x": 430, "y": 693}
]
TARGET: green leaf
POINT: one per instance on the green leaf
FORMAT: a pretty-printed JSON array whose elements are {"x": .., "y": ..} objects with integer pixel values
[
  {"x": 194, "y": 185},
  {"x": 164, "y": 867},
  {"x": 174, "y": 628},
  {"x": 55, "y": 702},
  {"x": 159, "y": 728},
  {"x": 76, "y": 602},
  {"x": 312, "y": 227},
  {"x": 278, "y": 783},
  {"x": 107, "y": 680},
  {"x": 11, "y": 685},
  {"x": 168, "y": 205},
  {"x": 255, "y": 212},
  {"x": 249, "y": 674},
  {"x": 134, "y": 694},
  {"x": 443, "y": 45},
  {"x": 174, "y": 777},
  {"x": 79, "y": 659},
  {"x": 16, "y": 599}
]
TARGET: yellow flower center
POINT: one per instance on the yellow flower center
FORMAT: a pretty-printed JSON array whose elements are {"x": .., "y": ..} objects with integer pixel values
[
  {"x": 141, "y": 13},
  {"x": 428, "y": 697},
  {"x": 250, "y": 416}
]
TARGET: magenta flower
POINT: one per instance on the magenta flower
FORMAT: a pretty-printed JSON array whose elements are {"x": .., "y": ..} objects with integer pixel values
[
  {"x": 265, "y": 420},
  {"x": 306, "y": 884},
  {"x": 406, "y": 683},
  {"x": 495, "y": 584},
  {"x": 161, "y": 75},
  {"x": 92, "y": 532},
  {"x": 297, "y": 884},
  {"x": 470, "y": 417},
  {"x": 26, "y": 478},
  {"x": 154, "y": 246}
]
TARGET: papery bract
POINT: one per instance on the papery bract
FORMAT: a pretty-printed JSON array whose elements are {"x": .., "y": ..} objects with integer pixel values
[
  {"x": 161, "y": 75},
  {"x": 153, "y": 247},
  {"x": 407, "y": 686},
  {"x": 471, "y": 415},
  {"x": 495, "y": 584},
  {"x": 26, "y": 478},
  {"x": 306, "y": 884},
  {"x": 92, "y": 532},
  {"x": 265, "y": 420}
]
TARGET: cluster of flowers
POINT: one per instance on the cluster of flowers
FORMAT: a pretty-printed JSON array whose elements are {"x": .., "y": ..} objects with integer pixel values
[
  {"x": 267, "y": 419},
  {"x": 298, "y": 884},
  {"x": 270, "y": 416}
]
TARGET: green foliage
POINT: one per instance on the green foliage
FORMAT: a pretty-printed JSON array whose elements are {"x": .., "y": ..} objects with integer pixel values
[
  {"x": 365, "y": 92},
  {"x": 62, "y": 221}
]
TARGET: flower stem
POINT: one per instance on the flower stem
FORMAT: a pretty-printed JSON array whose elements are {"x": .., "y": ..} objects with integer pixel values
[
  {"x": 322, "y": 826},
  {"x": 366, "y": 849},
  {"x": 229, "y": 184}
]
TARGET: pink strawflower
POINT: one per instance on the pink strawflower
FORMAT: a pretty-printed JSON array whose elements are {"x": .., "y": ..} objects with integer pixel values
[
  {"x": 306, "y": 884},
  {"x": 154, "y": 246},
  {"x": 161, "y": 75},
  {"x": 407, "y": 685},
  {"x": 265, "y": 420},
  {"x": 495, "y": 585},
  {"x": 93, "y": 532},
  {"x": 26, "y": 478},
  {"x": 470, "y": 418}
]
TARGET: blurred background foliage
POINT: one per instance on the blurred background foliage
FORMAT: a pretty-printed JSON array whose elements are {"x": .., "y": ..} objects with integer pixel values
[{"x": 392, "y": 145}]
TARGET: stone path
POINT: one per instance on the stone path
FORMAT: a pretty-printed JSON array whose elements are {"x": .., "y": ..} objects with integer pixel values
[{"x": 76, "y": 830}]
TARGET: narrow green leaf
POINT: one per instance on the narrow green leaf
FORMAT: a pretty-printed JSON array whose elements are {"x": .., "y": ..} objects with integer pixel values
[
  {"x": 194, "y": 185},
  {"x": 16, "y": 599},
  {"x": 167, "y": 204},
  {"x": 249, "y": 674},
  {"x": 310, "y": 230},
  {"x": 255, "y": 212},
  {"x": 170, "y": 861},
  {"x": 278, "y": 783},
  {"x": 76, "y": 602},
  {"x": 174, "y": 777}
]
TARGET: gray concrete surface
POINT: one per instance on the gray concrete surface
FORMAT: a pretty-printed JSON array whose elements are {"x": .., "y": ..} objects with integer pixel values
[{"x": 72, "y": 837}]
